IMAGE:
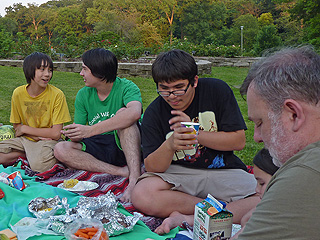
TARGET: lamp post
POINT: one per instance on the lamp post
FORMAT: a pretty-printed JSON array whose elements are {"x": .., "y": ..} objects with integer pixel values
[{"x": 241, "y": 27}]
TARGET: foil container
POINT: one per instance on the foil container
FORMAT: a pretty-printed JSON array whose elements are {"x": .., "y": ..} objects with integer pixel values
[
  {"x": 103, "y": 208},
  {"x": 44, "y": 208}
]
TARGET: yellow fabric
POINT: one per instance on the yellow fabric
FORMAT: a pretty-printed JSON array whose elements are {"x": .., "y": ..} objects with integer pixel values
[{"x": 48, "y": 109}]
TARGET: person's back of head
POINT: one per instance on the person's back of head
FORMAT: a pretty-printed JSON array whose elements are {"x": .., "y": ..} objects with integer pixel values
[
  {"x": 174, "y": 65},
  {"x": 264, "y": 161},
  {"x": 35, "y": 61},
  {"x": 291, "y": 73},
  {"x": 102, "y": 63}
]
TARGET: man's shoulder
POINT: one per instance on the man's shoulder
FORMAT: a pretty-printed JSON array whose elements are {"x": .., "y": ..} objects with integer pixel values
[{"x": 307, "y": 157}]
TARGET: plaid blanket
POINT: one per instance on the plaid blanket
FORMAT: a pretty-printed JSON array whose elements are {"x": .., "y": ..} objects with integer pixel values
[{"x": 107, "y": 182}]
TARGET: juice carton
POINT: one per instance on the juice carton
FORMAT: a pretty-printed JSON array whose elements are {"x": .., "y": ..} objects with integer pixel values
[{"x": 211, "y": 220}]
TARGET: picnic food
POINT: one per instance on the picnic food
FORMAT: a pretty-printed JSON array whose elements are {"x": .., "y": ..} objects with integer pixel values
[
  {"x": 6, "y": 132},
  {"x": 90, "y": 232},
  {"x": 8, "y": 234},
  {"x": 70, "y": 183}
]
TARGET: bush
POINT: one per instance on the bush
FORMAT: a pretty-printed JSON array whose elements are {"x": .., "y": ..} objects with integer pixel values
[
  {"x": 266, "y": 38},
  {"x": 6, "y": 44}
]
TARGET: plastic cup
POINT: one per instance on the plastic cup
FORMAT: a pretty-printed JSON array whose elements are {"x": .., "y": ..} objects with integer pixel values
[{"x": 194, "y": 126}]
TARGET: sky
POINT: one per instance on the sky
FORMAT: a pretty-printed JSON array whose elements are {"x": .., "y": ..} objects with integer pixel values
[{"x": 7, "y": 3}]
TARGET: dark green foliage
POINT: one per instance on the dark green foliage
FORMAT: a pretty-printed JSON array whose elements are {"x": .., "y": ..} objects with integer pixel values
[{"x": 267, "y": 38}]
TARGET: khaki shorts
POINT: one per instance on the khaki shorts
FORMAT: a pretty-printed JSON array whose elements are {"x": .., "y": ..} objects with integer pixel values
[
  {"x": 227, "y": 185},
  {"x": 39, "y": 154}
]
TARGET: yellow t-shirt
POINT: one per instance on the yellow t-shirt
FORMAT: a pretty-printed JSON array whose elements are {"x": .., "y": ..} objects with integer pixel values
[{"x": 48, "y": 109}]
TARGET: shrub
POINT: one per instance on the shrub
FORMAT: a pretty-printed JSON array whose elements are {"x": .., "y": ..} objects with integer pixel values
[{"x": 6, "y": 44}]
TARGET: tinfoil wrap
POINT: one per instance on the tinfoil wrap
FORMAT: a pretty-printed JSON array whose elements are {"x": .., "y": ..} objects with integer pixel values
[
  {"x": 45, "y": 207},
  {"x": 103, "y": 208}
]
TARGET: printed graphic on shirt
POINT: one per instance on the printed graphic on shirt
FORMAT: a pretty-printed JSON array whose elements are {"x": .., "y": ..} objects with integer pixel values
[
  {"x": 34, "y": 112},
  {"x": 100, "y": 117},
  {"x": 208, "y": 123}
]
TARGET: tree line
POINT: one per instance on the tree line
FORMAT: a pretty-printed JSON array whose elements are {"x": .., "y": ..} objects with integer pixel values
[{"x": 130, "y": 28}]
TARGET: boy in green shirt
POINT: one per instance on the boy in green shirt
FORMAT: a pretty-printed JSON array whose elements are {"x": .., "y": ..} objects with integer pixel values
[{"x": 104, "y": 136}]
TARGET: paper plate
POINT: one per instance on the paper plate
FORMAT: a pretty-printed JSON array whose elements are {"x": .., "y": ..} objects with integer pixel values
[{"x": 82, "y": 186}]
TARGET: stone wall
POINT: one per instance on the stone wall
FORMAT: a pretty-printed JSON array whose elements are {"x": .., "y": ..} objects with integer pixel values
[{"x": 143, "y": 69}]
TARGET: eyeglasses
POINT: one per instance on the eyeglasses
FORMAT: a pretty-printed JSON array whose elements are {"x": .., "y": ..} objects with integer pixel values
[{"x": 175, "y": 92}]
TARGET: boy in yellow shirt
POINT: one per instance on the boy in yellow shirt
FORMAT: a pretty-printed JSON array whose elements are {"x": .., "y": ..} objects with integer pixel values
[{"x": 38, "y": 112}]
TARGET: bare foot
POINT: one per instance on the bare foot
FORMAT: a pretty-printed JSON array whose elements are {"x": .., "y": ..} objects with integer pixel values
[
  {"x": 124, "y": 171},
  {"x": 126, "y": 197},
  {"x": 175, "y": 219}
]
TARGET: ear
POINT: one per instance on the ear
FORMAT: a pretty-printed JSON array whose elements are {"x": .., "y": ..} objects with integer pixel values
[
  {"x": 195, "y": 84},
  {"x": 295, "y": 112}
]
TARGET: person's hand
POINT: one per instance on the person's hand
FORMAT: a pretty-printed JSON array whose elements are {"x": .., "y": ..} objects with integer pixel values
[
  {"x": 19, "y": 130},
  {"x": 76, "y": 132},
  {"x": 175, "y": 122},
  {"x": 183, "y": 139}
]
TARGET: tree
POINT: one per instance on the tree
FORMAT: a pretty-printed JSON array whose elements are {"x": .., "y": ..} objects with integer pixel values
[
  {"x": 36, "y": 15},
  {"x": 210, "y": 18},
  {"x": 8, "y": 25},
  {"x": 308, "y": 11},
  {"x": 69, "y": 21},
  {"x": 6, "y": 44},
  {"x": 250, "y": 29},
  {"x": 267, "y": 38},
  {"x": 265, "y": 19},
  {"x": 169, "y": 8}
]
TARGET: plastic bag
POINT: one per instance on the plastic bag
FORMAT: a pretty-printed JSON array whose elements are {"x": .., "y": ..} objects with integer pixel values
[{"x": 84, "y": 228}]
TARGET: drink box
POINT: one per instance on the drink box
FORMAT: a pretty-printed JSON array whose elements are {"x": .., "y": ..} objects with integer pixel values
[{"x": 211, "y": 220}]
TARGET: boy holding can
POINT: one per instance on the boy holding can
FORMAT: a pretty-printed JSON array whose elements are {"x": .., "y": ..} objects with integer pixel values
[{"x": 180, "y": 175}]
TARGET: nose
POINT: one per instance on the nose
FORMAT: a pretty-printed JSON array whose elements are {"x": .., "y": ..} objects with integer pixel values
[
  {"x": 257, "y": 136},
  {"x": 81, "y": 74},
  {"x": 258, "y": 189},
  {"x": 47, "y": 72}
]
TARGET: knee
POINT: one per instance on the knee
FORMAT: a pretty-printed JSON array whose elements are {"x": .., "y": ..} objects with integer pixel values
[
  {"x": 140, "y": 196},
  {"x": 59, "y": 150}
]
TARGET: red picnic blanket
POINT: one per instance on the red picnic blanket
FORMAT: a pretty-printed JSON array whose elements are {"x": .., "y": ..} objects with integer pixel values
[{"x": 107, "y": 182}]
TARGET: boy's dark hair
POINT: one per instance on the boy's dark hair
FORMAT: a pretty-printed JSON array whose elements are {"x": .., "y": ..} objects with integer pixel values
[
  {"x": 174, "y": 65},
  {"x": 34, "y": 61},
  {"x": 102, "y": 63},
  {"x": 263, "y": 160}
]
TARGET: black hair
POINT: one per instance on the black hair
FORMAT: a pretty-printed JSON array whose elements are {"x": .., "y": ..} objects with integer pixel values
[
  {"x": 174, "y": 65},
  {"x": 263, "y": 160},
  {"x": 35, "y": 61},
  {"x": 102, "y": 63}
]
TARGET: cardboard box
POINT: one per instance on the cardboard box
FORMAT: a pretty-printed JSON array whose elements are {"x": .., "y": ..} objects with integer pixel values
[{"x": 211, "y": 220}]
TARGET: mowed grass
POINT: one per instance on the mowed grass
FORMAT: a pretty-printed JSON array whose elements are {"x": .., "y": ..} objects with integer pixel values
[{"x": 70, "y": 83}]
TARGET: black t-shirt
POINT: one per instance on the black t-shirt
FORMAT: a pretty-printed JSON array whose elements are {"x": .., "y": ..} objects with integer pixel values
[{"x": 214, "y": 107}]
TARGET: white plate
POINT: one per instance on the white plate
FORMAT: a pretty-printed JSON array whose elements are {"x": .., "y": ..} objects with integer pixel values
[{"x": 82, "y": 186}]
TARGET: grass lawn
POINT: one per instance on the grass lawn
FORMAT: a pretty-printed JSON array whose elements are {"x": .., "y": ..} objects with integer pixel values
[{"x": 70, "y": 83}]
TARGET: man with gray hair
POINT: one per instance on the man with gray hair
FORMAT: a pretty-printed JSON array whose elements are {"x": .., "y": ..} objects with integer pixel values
[{"x": 283, "y": 92}]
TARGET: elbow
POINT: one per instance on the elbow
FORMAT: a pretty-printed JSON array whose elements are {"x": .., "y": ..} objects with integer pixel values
[
  {"x": 136, "y": 116},
  {"x": 240, "y": 146},
  {"x": 240, "y": 141},
  {"x": 56, "y": 137},
  {"x": 152, "y": 168}
]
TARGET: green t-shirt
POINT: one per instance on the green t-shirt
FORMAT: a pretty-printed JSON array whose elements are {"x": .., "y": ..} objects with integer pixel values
[{"x": 89, "y": 109}]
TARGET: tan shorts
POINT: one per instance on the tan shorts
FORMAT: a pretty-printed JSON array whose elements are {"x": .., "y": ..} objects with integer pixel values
[
  {"x": 227, "y": 185},
  {"x": 39, "y": 154}
]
